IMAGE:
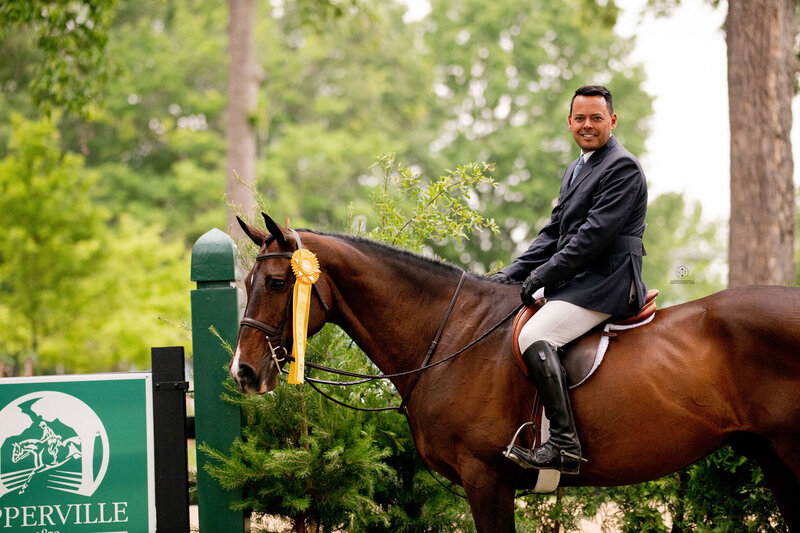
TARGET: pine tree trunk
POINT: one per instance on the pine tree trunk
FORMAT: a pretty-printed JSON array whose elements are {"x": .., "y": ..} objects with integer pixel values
[
  {"x": 243, "y": 81},
  {"x": 761, "y": 71}
]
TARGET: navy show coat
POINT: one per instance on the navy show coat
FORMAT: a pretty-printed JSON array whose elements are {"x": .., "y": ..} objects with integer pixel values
[{"x": 590, "y": 253}]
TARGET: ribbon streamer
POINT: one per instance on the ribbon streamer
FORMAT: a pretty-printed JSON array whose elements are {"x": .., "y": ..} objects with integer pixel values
[{"x": 306, "y": 269}]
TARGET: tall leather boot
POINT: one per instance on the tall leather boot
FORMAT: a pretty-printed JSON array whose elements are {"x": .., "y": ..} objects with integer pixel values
[{"x": 562, "y": 451}]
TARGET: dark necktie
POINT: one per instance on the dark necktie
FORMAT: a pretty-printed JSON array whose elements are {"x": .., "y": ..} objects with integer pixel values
[{"x": 577, "y": 169}]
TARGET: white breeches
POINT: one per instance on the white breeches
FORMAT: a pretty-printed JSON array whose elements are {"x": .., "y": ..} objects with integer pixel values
[{"x": 559, "y": 322}]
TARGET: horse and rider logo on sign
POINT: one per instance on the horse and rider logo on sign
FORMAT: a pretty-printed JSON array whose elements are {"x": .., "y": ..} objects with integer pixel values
[
  {"x": 51, "y": 439},
  {"x": 76, "y": 454}
]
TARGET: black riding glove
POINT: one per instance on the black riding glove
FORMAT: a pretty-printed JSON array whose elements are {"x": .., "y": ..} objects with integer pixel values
[
  {"x": 531, "y": 285},
  {"x": 501, "y": 277}
]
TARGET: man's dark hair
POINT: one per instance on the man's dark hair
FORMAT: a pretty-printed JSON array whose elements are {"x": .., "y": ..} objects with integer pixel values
[{"x": 594, "y": 90}]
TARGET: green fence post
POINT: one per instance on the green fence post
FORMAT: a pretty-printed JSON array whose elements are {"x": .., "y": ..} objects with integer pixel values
[{"x": 215, "y": 303}]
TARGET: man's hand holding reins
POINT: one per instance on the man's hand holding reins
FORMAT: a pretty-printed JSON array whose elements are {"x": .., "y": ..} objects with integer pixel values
[{"x": 531, "y": 285}]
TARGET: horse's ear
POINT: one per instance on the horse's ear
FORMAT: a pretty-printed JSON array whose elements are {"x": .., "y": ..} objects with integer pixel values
[
  {"x": 255, "y": 234},
  {"x": 274, "y": 229}
]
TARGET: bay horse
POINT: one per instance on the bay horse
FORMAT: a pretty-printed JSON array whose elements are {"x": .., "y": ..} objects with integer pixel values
[{"x": 724, "y": 369}]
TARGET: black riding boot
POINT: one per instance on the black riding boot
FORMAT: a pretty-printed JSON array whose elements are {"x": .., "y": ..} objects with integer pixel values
[{"x": 563, "y": 450}]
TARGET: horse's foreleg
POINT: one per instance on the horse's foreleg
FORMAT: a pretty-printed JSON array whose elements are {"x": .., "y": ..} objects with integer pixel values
[
  {"x": 28, "y": 480},
  {"x": 491, "y": 500}
]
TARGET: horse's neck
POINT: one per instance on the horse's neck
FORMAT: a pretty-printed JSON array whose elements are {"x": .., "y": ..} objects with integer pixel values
[{"x": 391, "y": 310}]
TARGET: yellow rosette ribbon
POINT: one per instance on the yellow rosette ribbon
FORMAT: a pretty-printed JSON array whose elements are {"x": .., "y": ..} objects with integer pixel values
[{"x": 306, "y": 269}]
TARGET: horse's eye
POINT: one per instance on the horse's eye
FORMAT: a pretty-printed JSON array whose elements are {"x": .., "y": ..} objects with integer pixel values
[{"x": 276, "y": 285}]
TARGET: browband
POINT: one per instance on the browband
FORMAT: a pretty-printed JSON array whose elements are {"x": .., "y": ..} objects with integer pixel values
[{"x": 288, "y": 255}]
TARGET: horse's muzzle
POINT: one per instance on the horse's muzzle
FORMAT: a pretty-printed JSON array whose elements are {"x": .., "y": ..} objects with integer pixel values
[
  {"x": 248, "y": 380},
  {"x": 251, "y": 381}
]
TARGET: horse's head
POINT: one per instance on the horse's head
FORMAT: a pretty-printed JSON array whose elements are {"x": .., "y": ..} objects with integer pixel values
[
  {"x": 266, "y": 329},
  {"x": 18, "y": 453}
]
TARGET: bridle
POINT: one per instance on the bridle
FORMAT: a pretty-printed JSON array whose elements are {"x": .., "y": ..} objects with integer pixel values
[{"x": 279, "y": 334}]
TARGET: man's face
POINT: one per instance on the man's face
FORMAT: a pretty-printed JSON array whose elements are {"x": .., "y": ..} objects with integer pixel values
[{"x": 590, "y": 122}]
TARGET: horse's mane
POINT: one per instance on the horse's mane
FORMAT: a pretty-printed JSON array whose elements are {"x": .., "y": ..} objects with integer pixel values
[
  {"x": 424, "y": 262},
  {"x": 406, "y": 256}
]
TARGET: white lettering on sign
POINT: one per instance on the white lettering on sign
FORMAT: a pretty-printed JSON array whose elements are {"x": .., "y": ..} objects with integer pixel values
[
  {"x": 28, "y": 512},
  {"x": 45, "y": 512},
  {"x": 120, "y": 508},
  {"x": 63, "y": 515}
]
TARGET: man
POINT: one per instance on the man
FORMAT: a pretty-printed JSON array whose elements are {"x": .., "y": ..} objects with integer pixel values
[
  {"x": 52, "y": 440},
  {"x": 588, "y": 259}
]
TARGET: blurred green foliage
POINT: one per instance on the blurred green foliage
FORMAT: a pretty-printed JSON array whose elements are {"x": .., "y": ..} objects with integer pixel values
[
  {"x": 78, "y": 295},
  {"x": 685, "y": 253},
  {"x": 70, "y": 64},
  {"x": 722, "y": 492},
  {"x": 474, "y": 81},
  {"x": 412, "y": 210}
]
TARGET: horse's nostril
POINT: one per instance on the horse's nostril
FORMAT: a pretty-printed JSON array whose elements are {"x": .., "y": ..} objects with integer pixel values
[{"x": 246, "y": 374}]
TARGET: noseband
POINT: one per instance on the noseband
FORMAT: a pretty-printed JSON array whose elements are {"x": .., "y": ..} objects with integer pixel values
[{"x": 279, "y": 334}]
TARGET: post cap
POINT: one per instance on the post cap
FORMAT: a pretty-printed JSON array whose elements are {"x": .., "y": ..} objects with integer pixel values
[{"x": 215, "y": 257}]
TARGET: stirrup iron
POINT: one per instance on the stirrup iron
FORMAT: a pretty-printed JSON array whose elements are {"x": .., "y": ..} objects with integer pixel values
[{"x": 507, "y": 452}]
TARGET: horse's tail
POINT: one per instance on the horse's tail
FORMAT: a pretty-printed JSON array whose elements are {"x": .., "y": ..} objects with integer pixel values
[{"x": 73, "y": 451}]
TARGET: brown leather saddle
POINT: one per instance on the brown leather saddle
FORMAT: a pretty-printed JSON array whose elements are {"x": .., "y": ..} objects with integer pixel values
[{"x": 578, "y": 356}]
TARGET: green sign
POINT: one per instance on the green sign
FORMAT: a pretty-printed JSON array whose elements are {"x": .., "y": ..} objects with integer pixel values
[{"x": 76, "y": 454}]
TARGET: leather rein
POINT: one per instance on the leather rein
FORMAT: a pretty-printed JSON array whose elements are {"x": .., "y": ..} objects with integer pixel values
[{"x": 279, "y": 336}]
